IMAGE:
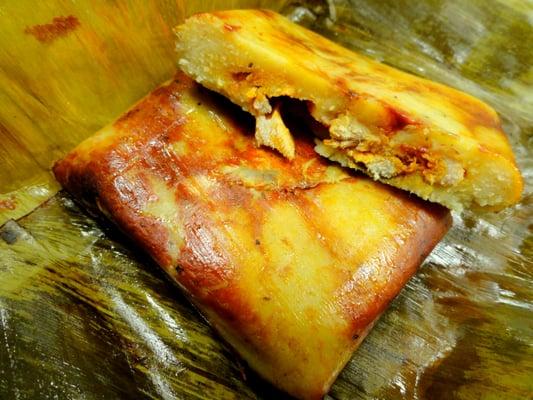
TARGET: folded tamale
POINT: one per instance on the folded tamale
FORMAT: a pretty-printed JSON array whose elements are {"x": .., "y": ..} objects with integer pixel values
[
  {"x": 414, "y": 134},
  {"x": 291, "y": 261}
]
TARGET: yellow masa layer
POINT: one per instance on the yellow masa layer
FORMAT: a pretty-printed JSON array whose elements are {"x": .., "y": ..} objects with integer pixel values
[
  {"x": 291, "y": 262},
  {"x": 417, "y": 135}
]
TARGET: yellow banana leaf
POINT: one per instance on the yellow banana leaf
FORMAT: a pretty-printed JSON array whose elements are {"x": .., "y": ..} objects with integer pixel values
[{"x": 82, "y": 315}]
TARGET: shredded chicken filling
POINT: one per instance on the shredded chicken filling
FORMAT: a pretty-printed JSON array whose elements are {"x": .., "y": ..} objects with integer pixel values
[{"x": 366, "y": 146}]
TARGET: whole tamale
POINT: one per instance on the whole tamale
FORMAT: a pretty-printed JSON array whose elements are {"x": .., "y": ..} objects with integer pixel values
[{"x": 292, "y": 262}]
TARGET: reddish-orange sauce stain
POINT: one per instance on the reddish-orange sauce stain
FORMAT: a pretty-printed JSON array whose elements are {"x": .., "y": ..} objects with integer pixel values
[
  {"x": 267, "y": 13},
  {"x": 8, "y": 204},
  {"x": 60, "y": 26},
  {"x": 231, "y": 28},
  {"x": 398, "y": 119},
  {"x": 240, "y": 76}
]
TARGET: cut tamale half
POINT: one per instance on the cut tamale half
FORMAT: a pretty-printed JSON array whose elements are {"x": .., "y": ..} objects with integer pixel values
[
  {"x": 292, "y": 262},
  {"x": 414, "y": 134}
]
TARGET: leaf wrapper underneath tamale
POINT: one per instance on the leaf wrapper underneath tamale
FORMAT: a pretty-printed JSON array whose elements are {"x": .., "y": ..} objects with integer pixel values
[{"x": 292, "y": 262}]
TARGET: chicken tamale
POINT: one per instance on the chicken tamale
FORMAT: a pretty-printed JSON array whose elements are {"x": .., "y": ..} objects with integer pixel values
[
  {"x": 291, "y": 261},
  {"x": 420, "y": 136}
]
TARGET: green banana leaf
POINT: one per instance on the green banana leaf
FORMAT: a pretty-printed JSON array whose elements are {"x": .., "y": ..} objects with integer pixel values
[{"x": 82, "y": 315}]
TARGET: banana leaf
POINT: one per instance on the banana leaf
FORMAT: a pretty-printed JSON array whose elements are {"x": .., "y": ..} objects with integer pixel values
[{"x": 83, "y": 315}]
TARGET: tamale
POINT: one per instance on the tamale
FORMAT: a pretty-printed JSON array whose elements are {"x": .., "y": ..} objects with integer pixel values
[
  {"x": 292, "y": 262},
  {"x": 437, "y": 142}
]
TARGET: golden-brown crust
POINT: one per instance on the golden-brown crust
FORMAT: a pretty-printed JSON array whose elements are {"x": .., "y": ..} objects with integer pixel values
[
  {"x": 291, "y": 262},
  {"x": 406, "y": 257}
]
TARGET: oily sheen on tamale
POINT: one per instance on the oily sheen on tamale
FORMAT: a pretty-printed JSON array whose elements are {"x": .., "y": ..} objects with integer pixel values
[{"x": 292, "y": 262}]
